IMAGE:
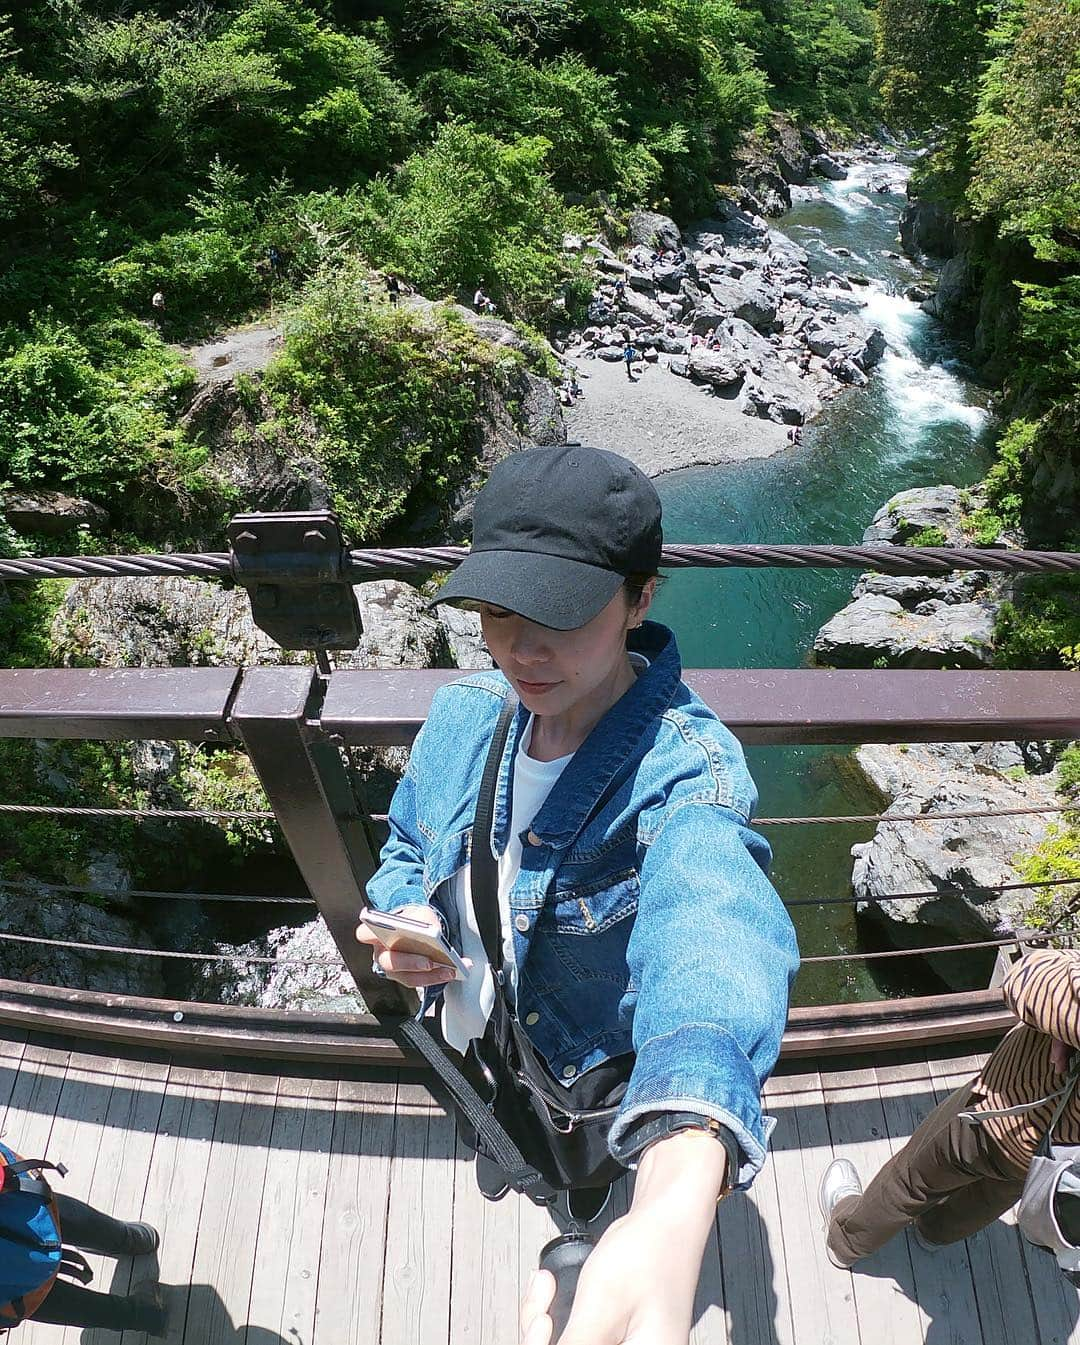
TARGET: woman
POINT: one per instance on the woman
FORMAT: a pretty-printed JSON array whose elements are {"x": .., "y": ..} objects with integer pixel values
[{"x": 637, "y": 916}]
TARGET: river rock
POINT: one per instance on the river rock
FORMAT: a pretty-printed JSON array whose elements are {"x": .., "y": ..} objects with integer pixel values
[
  {"x": 960, "y": 862},
  {"x": 719, "y": 369},
  {"x": 50, "y": 512},
  {"x": 913, "y": 511},
  {"x": 826, "y": 166},
  {"x": 731, "y": 227},
  {"x": 642, "y": 307},
  {"x": 648, "y": 228},
  {"x": 927, "y": 228},
  {"x": 749, "y": 298},
  {"x": 827, "y": 334},
  {"x": 875, "y": 630}
]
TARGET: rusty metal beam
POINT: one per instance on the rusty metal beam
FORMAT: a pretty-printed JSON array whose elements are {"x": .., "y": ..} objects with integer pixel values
[
  {"x": 308, "y": 788},
  {"x": 188, "y": 703},
  {"x": 776, "y": 705},
  {"x": 198, "y": 1029},
  {"x": 357, "y": 1039}
]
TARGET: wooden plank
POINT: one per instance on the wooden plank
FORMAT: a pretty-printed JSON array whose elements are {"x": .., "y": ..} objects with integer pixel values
[
  {"x": 175, "y": 1189},
  {"x": 883, "y": 1283},
  {"x": 1002, "y": 1295},
  {"x": 349, "y": 1302},
  {"x": 823, "y": 1306},
  {"x": 416, "y": 1283},
  {"x": 710, "y": 1325},
  {"x": 484, "y": 1303},
  {"x": 75, "y": 1140},
  {"x": 944, "y": 1285},
  {"x": 32, "y": 1106},
  {"x": 285, "y": 1285},
  {"x": 232, "y": 1205},
  {"x": 12, "y": 1045},
  {"x": 123, "y": 1165},
  {"x": 746, "y": 1266}
]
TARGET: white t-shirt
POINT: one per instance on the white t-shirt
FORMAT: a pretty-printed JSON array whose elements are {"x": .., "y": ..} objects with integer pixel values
[{"x": 467, "y": 1004}]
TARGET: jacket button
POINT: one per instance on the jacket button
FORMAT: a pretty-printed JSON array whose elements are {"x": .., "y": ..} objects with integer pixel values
[
  {"x": 531, "y": 1019},
  {"x": 569, "y": 1071},
  {"x": 521, "y": 923},
  {"x": 533, "y": 838}
]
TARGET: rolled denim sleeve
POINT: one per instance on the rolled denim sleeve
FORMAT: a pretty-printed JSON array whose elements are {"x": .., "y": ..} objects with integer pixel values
[{"x": 713, "y": 954}]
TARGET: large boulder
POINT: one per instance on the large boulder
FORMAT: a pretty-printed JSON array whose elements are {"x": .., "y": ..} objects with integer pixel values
[
  {"x": 824, "y": 165},
  {"x": 261, "y": 471},
  {"x": 960, "y": 863},
  {"x": 717, "y": 368},
  {"x": 828, "y": 333},
  {"x": 729, "y": 226},
  {"x": 50, "y": 512},
  {"x": 913, "y": 511},
  {"x": 45, "y": 914},
  {"x": 174, "y": 622},
  {"x": 875, "y": 630},
  {"x": 641, "y": 306},
  {"x": 749, "y": 298},
  {"x": 648, "y": 228},
  {"x": 927, "y": 229}
]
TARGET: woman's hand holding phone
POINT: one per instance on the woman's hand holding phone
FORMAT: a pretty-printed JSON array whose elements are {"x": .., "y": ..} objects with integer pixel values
[{"x": 409, "y": 969}]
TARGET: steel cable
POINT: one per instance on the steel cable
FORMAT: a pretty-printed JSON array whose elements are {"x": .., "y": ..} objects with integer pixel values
[{"x": 369, "y": 563}]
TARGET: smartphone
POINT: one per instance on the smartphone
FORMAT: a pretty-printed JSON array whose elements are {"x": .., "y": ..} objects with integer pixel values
[{"x": 405, "y": 935}]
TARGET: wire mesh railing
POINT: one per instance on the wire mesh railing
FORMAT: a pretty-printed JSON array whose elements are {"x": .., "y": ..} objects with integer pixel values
[{"x": 275, "y": 715}]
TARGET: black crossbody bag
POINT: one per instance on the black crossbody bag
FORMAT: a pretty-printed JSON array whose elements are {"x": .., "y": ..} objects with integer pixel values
[{"x": 545, "y": 1136}]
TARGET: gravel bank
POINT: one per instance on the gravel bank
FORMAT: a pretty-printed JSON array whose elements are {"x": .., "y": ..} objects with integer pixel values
[{"x": 663, "y": 422}]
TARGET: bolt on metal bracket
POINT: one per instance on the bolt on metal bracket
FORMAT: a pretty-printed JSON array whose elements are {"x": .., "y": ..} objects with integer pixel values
[{"x": 293, "y": 567}]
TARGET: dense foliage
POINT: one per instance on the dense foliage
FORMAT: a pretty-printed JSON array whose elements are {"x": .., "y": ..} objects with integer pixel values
[
  {"x": 223, "y": 155},
  {"x": 995, "y": 89}
]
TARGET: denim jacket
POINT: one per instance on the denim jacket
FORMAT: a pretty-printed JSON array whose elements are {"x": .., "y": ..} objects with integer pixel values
[{"x": 643, "y": 917}]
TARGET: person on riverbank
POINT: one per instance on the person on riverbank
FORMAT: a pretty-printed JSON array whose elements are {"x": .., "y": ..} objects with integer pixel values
[
  {"x": 645, "y": 956},
  {"x": 966, "y": 1163},
  {"x": 629, "y": 356}
]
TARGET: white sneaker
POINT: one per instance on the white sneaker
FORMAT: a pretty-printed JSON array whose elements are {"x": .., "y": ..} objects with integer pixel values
[{"x": 839, "y": 1180}]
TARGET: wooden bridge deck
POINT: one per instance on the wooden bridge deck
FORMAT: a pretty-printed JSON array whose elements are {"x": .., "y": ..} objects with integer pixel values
[{"x": 309, "y": 1211}]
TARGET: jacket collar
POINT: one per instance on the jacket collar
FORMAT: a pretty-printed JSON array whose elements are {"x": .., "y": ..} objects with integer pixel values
[{"x": 618, "y": 740}]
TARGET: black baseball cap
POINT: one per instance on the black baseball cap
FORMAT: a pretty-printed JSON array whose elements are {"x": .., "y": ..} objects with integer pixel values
[{"x": 556, "y": 531}]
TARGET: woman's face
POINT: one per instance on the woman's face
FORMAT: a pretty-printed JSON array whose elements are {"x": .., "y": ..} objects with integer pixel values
[{"x": 552, "y": 671}]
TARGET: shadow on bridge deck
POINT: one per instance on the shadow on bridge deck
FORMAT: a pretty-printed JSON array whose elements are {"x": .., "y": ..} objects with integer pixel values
[{"x": 305, "y": 1210}]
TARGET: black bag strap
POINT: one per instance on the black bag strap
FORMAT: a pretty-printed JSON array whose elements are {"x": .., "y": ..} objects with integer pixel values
[
  {"x": 75, "y": 1266},
  {"x": 484, "y": 867}
]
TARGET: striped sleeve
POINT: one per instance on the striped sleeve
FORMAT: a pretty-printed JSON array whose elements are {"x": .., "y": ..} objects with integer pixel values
[{"x": 1043, "y": 990}]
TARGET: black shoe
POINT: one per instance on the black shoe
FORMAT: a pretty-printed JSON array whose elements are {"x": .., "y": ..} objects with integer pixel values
[
  {"x": 141, "y": 1239},
  {"x": 490, "y": 1178},
  {"x": 587, "y": 1203}
]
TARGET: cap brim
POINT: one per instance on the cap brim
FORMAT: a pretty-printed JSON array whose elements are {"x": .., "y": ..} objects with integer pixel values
[{"x": 550, "y": 590}]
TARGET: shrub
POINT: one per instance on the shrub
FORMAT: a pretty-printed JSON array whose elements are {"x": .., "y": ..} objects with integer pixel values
[{"x": 389, "y": 402}]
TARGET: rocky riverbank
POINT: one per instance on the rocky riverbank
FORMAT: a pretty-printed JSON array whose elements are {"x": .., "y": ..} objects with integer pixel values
[{"x": 736, "y": 343}]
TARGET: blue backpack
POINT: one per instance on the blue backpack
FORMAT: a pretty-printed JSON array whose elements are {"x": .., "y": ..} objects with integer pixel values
[{"x": 31, "y": 1252}]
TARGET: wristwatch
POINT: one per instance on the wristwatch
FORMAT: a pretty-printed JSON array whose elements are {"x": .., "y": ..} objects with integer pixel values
[{"x": 662, "y": 1125}]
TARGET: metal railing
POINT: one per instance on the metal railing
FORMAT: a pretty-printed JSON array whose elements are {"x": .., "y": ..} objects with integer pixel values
[{"x": 293, "y": 723}]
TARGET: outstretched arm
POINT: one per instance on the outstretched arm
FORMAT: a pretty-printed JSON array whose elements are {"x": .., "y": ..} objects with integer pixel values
[{"x": 638, "y": 1286}]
